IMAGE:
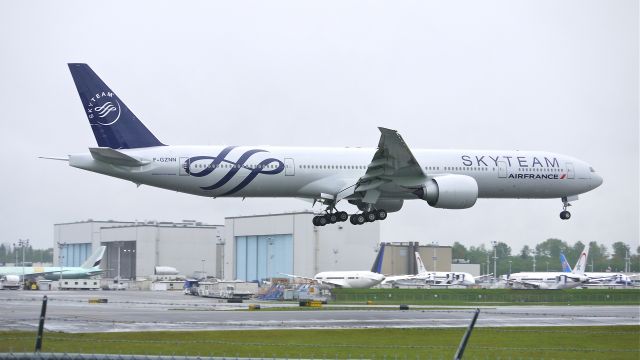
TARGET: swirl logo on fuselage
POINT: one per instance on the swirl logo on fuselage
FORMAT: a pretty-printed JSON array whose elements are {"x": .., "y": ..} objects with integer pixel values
[
  {"x": 213, "y": 163},
  {"x": 103, "y": 109}
]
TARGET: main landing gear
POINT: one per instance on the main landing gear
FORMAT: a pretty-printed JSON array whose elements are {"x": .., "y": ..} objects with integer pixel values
[
  {"x": 355, "y": 219},
  {"x": 564, "y": 214}
]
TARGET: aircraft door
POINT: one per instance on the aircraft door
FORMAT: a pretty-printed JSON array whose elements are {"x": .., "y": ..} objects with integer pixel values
[
  {"x": 289, "y": 167},
  {"x": 184, "y": 165},
  {"x": 502, "y": 169},
  {"x": 571, "y": 172}
]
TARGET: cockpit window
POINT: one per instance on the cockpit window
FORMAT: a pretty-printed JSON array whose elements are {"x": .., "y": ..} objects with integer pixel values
[{"x": 592, "y": 170}]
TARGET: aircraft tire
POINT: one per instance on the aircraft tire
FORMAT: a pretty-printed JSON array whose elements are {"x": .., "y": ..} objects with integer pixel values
[
  {"x": 343, "y": 216},
  {"x": 381, "y": 214},
  {"x": 322, "y": 221},
  {"x": 360, "y": 219},
  {"x": 369, "y": 216},
  {"x": 565, "y": 215},
  {"x": 352, "y": 219},
  {"x": 332, "y": 218}
]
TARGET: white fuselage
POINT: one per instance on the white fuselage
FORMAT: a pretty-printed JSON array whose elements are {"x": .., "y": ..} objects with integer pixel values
[
  {"x": 266, "y": 171},
  {"x": 547, "y": 280},
  {"x": 350, "y": 279}
]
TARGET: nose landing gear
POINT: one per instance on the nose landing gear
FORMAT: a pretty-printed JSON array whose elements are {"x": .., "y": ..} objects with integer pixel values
[{"x": 564, "y": 214}]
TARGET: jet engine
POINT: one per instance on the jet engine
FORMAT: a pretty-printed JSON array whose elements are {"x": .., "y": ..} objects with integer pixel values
[{"x": 449, "y": 192}]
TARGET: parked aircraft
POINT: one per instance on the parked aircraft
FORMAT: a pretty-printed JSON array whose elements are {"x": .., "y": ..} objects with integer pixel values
[
  {"x": 430, "y": 277},
  {"x": 599, "y": 278},
  {"x": 89, "y": 268},
  {"x": 352, "y": 279},
  {"x": 345, "y": 279},
  {"x": 376, "y": 180},
  {"x": 552, "y": 279}
]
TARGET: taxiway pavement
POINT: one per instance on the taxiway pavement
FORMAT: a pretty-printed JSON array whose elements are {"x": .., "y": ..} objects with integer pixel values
[{"x": 70, "y": 311}]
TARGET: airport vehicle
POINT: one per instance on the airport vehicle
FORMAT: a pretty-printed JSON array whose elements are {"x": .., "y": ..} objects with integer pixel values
[
  {"x": 11, "y": 282},
  {"x": 89, "y": 268},
  {"x": 552, "y": 279},
  {"x": 431, "y": 277},
  {"x": 599, "y": 278},
  {"x": 376, "y": 180}
]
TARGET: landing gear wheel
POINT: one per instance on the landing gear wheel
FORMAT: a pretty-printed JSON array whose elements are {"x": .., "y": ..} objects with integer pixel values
[
  {"x": 357, "y": 219},
  {"x": 342, "y": 216},
  {"x": 331, "y": 218},
  {"x": 381, "y": 214},
  {"x": 369, "y": 216},
  {"x": 322, "y": 221},
  {"x": 565, "y": 215},
  {"x": 315, "y": 221}
]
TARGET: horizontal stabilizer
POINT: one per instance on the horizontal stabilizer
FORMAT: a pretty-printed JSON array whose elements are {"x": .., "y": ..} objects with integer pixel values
[
  {"x": 53, "y": 158},
  {"x": 116, "y": 157}
]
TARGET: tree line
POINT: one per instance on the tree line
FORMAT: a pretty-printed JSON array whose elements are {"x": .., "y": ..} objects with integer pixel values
[
  {"x": 13, "y": 254},
  {"x": 547, "y": 256}
]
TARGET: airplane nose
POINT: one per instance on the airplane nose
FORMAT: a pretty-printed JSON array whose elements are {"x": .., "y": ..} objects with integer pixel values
[{"x": 597, "y": 180}]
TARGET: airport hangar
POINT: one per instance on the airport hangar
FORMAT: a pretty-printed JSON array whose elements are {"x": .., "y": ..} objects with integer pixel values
[{"x": 245, "y": 248}]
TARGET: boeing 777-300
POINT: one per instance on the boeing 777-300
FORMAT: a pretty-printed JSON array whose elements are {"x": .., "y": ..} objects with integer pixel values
[{"x": 376, "y": 180}]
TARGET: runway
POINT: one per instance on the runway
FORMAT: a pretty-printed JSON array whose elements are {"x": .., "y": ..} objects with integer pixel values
[{"x": 70, "y": 311}]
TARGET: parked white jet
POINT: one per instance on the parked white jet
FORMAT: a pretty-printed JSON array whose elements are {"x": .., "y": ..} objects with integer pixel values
[
  {"x": 599, "y": 278},
  {"x": 376, "y": 180},
  {"x": 345, "y": 279},
  {"x": 431, "y": 277},
  {"x": 552, "y": 279},
  {"x": 89, "y": 268}
]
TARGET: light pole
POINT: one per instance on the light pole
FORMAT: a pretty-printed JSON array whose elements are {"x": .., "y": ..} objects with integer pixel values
[
  {"x": 495, "y": 259},
  {"x": 269, "y": 243},
  {"x": 61, "y": 245},
  {"x": 118, "y": 245},
  {"x": 509, "y": 267},
  {"x": 203, "y": 260},
  {"x": 534, "y": 261},
  {"x": 434, "y": 244},
  {"x": 23, "y": 244}
]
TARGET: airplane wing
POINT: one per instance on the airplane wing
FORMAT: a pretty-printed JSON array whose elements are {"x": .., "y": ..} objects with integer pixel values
[
  {"x": 299, "y": 277},
  {"x": 527, "y": 284},
  {"x": 393, "y": 169}
]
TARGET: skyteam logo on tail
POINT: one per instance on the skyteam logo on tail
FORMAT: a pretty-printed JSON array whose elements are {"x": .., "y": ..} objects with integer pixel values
[{"x": 103, "y": 109}]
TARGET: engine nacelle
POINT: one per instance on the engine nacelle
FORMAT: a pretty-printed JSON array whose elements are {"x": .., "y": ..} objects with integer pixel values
[
  {"x": 450, "y": 192},
  {"x": 388, "y": 205}
]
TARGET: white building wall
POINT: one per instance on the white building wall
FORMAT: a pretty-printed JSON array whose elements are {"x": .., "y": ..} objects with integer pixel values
[
  {"x": 80, "y": 233},
  {"x": 339, "y": 246},
  {"x": 185, "y": 248},
  {"x": 179, "y": 245}
]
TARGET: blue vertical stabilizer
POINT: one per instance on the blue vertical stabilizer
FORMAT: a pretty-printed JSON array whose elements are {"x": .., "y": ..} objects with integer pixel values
[{"x": 113, "y": 124}]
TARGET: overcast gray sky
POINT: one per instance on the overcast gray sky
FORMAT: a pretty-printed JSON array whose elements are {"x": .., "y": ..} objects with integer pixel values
[{"x": 560, "y": 76}]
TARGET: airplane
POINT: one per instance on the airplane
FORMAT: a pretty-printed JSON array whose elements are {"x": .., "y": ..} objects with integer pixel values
[
  {"x": 89, "y": 268},
  {"x": 599, "y": 278},
  {"x": 351, "y": 279},
  {"x": 431, "y": 277},
  {"x": 552, "y": 279},
  {"x": 376, "y": 180}
]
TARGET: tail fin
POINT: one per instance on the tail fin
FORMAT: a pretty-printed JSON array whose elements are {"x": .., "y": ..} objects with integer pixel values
[
  {"x": 565, "y": 264},
  {"x": 421, "y": 268},
  {"x": 95, "y": 258},
  {"x": 377, "y": 264},
  {"x": 581, "y": 265},
  {"x": 113, "y": 124}
]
